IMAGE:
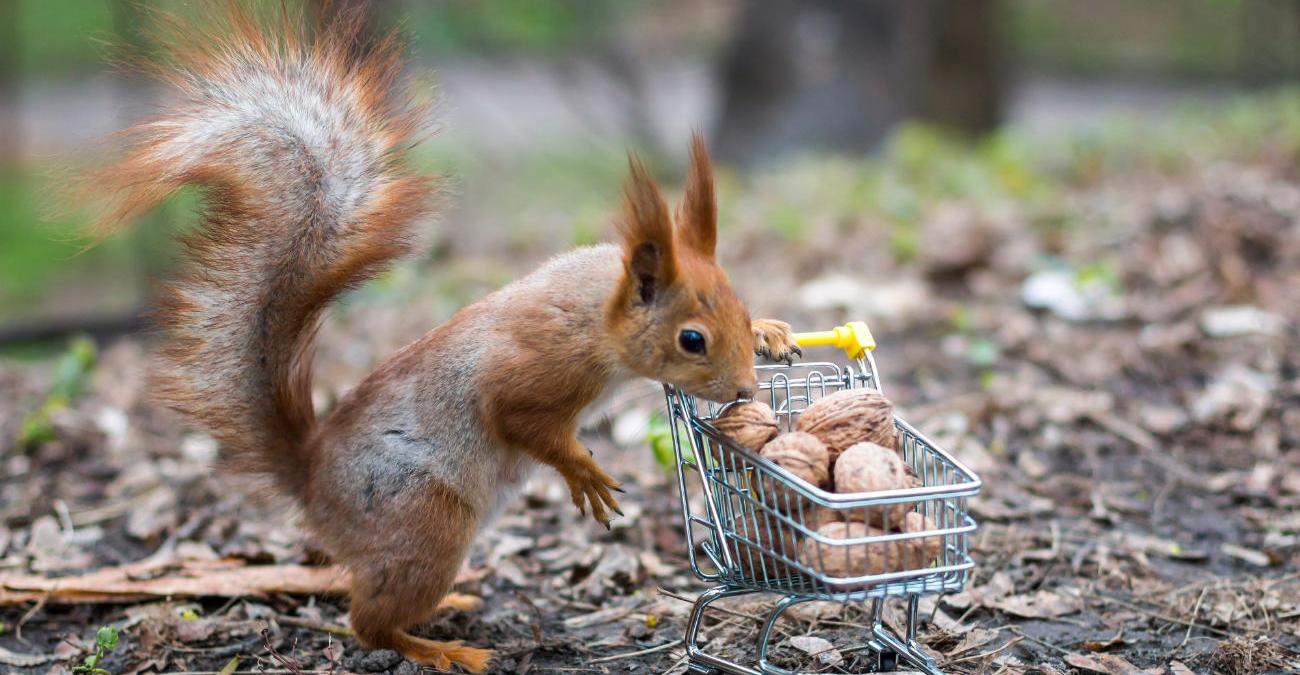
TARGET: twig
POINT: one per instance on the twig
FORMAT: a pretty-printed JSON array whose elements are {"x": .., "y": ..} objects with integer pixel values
[
  {"x": 1126, "y": 430},
  {"x": 759, "y": 619},
  {"x": 724, "y": 610},
  {"x": 1195, "y": 611},
  {"x": 1010, "y": 643},
  {"x": 1031, "y": 638},
  {"x": 1163, "y": 617},
  {"x": 663, "y": 647},
  {"x": 27, "y": 616},
  {"x": 331, "y": 628}
]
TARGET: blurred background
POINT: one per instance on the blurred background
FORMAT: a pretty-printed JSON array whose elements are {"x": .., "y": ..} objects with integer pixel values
[{"x": 541, "y": 100}]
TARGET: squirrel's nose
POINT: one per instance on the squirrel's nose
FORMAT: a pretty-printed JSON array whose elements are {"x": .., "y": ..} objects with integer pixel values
[{"x": 745, "y": 392}]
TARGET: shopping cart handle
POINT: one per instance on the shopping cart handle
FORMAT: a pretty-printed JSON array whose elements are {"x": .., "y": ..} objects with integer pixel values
[{"x": 853, "y": 337}]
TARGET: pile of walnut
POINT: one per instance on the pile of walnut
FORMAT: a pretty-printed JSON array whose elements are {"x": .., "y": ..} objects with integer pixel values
[{"x": 845, "y": 442}]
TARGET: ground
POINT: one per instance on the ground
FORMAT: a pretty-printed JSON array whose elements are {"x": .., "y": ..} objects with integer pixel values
[{"x": 1112, "y": 344}]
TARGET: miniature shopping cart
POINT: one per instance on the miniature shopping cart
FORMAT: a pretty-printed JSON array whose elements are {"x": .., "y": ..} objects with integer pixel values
[{"x": 756, "y": 523}]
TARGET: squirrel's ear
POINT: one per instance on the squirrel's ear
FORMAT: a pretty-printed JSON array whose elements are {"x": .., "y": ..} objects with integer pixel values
[
  {"x": 697, "y": 217},
  {"x": 647, "y": 234}
]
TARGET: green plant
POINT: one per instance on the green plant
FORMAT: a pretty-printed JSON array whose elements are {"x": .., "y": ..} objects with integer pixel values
[
  {"x": 660, "y": 437},
  {"x": 71, "y": 373},
  {"x": 105, "y": 642}
]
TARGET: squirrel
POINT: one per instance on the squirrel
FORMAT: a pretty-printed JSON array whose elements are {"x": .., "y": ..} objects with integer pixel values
[{"x": 299, "y": 143}]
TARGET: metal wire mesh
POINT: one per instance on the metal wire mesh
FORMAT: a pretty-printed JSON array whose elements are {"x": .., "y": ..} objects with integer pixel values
[{"x": 759, "y": 527}]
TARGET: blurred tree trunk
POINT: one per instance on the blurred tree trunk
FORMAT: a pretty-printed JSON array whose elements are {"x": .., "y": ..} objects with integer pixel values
[
  {"x": 827, "y": 74},
  {"x": 10, "y": 87},
  {"x": 1270, "y": 32}
]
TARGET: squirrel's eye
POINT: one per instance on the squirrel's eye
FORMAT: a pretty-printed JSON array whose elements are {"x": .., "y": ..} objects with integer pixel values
[{"x": 691, "y": 340}]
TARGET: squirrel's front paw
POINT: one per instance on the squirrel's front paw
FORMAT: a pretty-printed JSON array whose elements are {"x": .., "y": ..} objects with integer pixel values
[
  {"x": 775, "y": 340},
  {"x": 588, "y": 483}
]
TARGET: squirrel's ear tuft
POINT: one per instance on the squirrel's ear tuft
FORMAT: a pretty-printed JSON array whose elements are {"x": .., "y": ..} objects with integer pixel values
[
  {"x": 647, "y": 233},
  {"x": 697, "y": 217}
]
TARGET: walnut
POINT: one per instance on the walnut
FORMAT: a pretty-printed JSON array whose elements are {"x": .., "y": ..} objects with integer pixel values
[
  {"x": 926, "y": 549},
  {"x": 850, "y": 416},
  {"x": 842, "y": 560},
  {"x": 867, "y": 467},
  {"x": 801, "y": 454},
  {"x": 751, "y": 425},
  {"x": 763, "y": 544}
]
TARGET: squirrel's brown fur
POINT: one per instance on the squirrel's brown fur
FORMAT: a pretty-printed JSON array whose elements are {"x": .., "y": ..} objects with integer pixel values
[{"x": 298, "y": 144}]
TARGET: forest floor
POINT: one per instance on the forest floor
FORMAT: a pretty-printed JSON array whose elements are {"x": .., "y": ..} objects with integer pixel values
[{"x": 1111, "y": 341}]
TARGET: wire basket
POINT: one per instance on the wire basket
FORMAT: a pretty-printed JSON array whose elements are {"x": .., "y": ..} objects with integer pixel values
[{"x": 757, "y": 526}]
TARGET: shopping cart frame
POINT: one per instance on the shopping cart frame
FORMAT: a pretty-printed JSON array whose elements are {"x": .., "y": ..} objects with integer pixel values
[{"x": 753, "y": 526}]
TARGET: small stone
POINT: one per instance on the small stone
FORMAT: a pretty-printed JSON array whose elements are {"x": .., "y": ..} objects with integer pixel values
[
  {"x": 375, "y": 661},
  {"x": 1162, "y": 419},
  {"x": 46, "y": 538},
  {"x": 1239, "y": 395},
  {"x": 1238, "y": 320},
  {"x": 1063, "y": 293}
]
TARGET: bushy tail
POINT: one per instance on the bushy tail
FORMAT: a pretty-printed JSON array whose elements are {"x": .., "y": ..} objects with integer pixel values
[{"x": 297, "y": 143}]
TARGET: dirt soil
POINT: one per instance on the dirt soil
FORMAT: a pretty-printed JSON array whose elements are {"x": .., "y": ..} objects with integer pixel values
[{"x": 1127, "y": 387}]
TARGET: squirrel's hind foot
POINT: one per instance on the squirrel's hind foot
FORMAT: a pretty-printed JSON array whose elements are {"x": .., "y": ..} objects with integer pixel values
[{"x": 440, "y": 655}]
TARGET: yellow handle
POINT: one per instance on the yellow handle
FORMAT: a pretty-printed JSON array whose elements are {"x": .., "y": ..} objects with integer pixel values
[{"x": 853, "y": 337}]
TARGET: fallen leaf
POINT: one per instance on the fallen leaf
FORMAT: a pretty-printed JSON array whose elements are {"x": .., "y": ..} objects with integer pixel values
[
  {"x": 334, "y": 651},
  {"x": 998, "y": 586},
  {"x": 9, "y": 658},
  {"x": 1011, "y": 505},
  {"x": 196, "y": 630},
  {"x": 1038, "y": 605},
  {"x": 617, "y": 571},
  {"x": 1101, "y": 645},
  {"x": 1109, "y": 664},
  {"x": 46, "y": 538},
  {"x": 231, "y": 666},
  {"x": 157, "y": 514},
  {"x": 821, "y": 648},
  {"x": 974, "y": 639}
]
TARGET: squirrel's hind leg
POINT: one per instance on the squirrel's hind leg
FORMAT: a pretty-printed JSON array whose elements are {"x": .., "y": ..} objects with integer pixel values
[
  {"x": 440, "y": 655},
  {"x": 393, "y": 588}
]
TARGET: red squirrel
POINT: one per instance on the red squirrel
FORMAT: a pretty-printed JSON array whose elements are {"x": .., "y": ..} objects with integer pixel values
[{"x": 299, "y": 144}]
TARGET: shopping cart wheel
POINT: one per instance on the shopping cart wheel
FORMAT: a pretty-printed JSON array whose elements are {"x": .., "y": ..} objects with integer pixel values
[{"x": 887, "y": 661}]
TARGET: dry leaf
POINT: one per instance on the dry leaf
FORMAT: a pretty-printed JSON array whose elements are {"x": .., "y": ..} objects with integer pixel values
[
  {"x": 1109, "y": 664},
  {"x": 9, "y": 658},
  {"x": 1038, "y": 605},
  {"x": 1101, "y": 645},
  {"x": 821, "y": 648}
]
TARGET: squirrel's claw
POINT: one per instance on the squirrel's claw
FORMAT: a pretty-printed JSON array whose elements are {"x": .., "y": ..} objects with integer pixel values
[
  {"x": 589, "y": 484},
  {"x": 774, "y": 340}
]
